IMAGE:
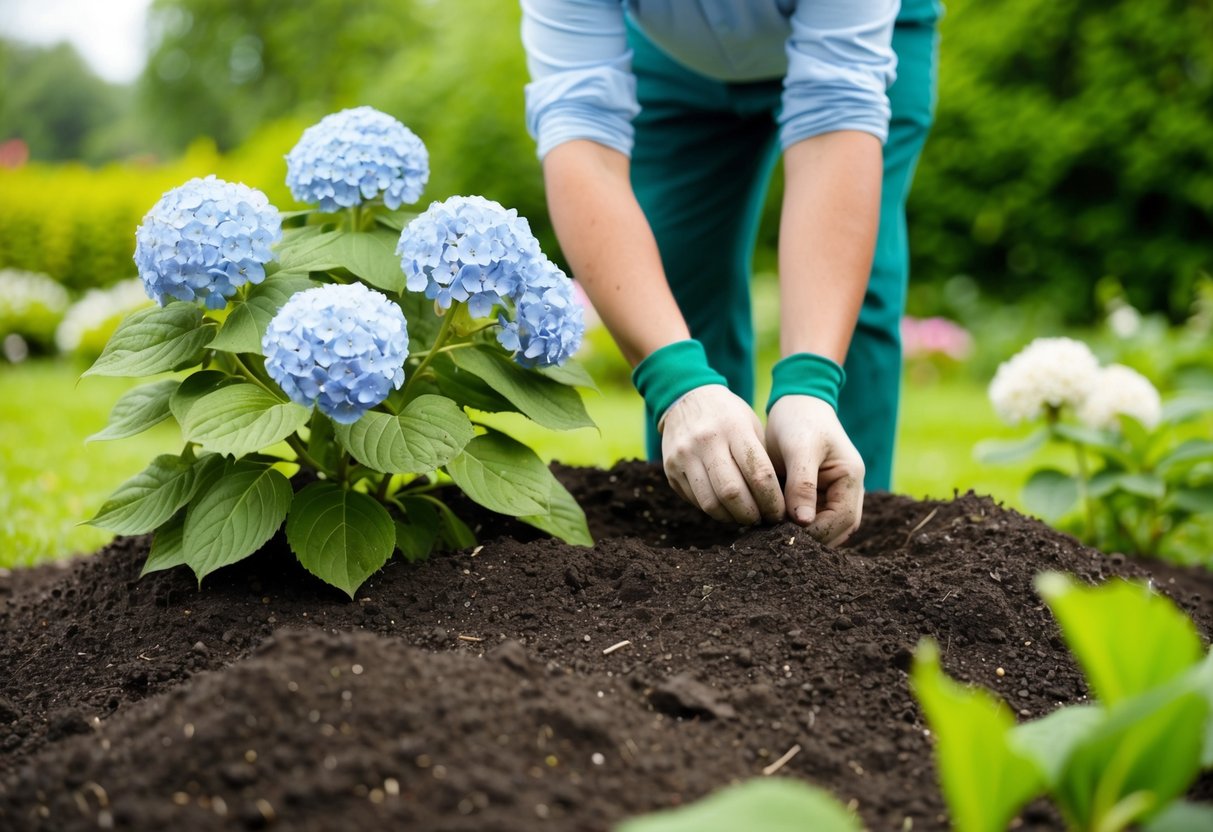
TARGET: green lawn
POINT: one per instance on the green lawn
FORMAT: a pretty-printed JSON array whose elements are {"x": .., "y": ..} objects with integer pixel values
[{"x": 50, "y": 480}]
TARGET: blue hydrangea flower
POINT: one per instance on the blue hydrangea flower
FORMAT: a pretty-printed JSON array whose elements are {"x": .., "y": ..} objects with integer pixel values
[
  {"x": 549, "y": 322},
  {"x": 356, "y": 155},
  {"x": 471, "y": 249},
  {"x": 205, "y": 239},
  {"x": 339, "y": 347}
]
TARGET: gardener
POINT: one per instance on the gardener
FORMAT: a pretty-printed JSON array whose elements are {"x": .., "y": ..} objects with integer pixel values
[{"x": 659, "y": 123}]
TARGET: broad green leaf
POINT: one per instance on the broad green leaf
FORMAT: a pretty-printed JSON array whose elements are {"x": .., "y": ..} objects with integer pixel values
[
  {"x": 154, "y": 340},
  {"x": 1050, "y": 739},
  {"x": 193, "y": 387},
  {"x": 1145, "y": 753},
  {"x": 340, "y": 536},
  {"x": 467, "y": 390},
  {"x": 453, "y": 532},
  {"x": 369, "y": 255},
  {"x": 417, "y": 533},
  {"x": 149, "y": 498},
  {"x": 1182, "y": 816},
  {"x": 242, "y": 418},
  {"x": 544, "y": 400},
  {"x": 999, "y": 451},
  {"x": 248, "y": 318},
  {"x": 565, "y": 519},
  {"x": 1126, "y": 638},
  {"x": 570, "y": 373},
  {"x": 503, "y": 475},
  {"x": 1139, "y": 436},
  {"x": 167, "y": 546},
  {"x": 776, "y": 804},
  {"x": 1187, "y": 453},
  {"x": 1050, "y": 493},
  {"x": 395, "y": 220},
  {"x": 1149, "y": 486},
  {"x": 1188, "y": 405},
  {"x": 137, "y": 410},
  {"x": 428, "y": 433},
  {"x": 1090, "y": 437},
  {"x": 234, "y": 516},
  {"x": 986, "y": 779},
  {"x": 1195, "y": 500}
]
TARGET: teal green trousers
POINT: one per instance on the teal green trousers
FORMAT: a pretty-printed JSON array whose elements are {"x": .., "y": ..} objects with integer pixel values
[{"x": 704, "y": 153}]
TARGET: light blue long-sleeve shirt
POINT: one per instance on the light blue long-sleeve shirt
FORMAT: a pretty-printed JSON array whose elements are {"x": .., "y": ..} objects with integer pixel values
[{"x": 835, "y": 58}]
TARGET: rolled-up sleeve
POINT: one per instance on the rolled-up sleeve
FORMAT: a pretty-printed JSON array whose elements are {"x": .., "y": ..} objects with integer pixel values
[
  {"x": 840, "y": 64},
  {"x": 582, "y": 85}
]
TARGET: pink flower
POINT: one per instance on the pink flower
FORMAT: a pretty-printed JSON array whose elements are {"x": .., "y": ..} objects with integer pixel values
[{"x": 929, "y": 337}]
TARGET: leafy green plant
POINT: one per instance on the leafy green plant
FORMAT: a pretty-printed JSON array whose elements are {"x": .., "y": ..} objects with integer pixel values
[
  {"x": 1118, "y": 762},
  {"x": 1142, "y": 470},
  {"x": 334, "y": 371},
  {"x": 760, "y": 805}
]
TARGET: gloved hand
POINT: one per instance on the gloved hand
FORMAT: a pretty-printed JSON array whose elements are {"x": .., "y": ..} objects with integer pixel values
[
  {"x": 823, "y": 473},
  {"x": 712, "y": 452}
]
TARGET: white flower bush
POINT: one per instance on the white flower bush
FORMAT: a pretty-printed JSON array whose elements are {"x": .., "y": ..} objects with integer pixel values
[
  {"x": 1048, "y": 374},
  {"x": 1120, "y": 391},
  {"x": 90, "y": 321}
]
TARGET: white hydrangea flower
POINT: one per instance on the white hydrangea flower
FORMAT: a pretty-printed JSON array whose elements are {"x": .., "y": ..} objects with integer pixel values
[
  {"x": 1049, "y": 372},
  {"x": 23, "y": 293},
  {"x": 1121, "y": 391},
  {"x": 98, "y": 313}
]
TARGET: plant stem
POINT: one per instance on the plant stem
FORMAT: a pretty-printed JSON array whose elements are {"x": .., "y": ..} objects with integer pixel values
[
  {"x": 251, "y": 375},
  {"x": 384, "y": 483},
  {"x": 444, "y": 332},
  {"x": 302, "y": 455}
]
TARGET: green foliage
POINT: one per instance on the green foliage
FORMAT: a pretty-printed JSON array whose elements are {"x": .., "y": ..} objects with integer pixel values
[
  {"x": 761, "y": 805},
  {"x": 1117, "y": 763},
  {"x": 985, "y": 777},
  {"x": 227, "y": 492},
  {"x": 1072, "y": 140}
]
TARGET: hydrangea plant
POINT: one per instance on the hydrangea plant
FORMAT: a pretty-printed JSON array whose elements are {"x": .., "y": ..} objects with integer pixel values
[
  {"x": 1142, "y": 469},
  {"x": 331, "y": 367}
]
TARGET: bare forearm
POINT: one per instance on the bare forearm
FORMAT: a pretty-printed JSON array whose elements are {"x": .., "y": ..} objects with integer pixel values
[
  {"x": 610, "y": 247},
  {"x": 827, "y": 236}
]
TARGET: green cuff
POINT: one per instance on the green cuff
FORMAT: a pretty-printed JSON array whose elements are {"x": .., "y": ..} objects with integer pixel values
[
  {"x": 671, "y": 372},
  {"x": 806, "y": 374}
]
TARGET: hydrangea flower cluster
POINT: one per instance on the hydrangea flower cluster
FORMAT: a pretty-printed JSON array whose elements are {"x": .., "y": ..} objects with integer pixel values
[
  {"x": 1048, "y": 373},
  {"x": 356, "y": 155},
  {"x": 340, "y": 347},
  {"x": 468, "y": 248},
  {"x": 1121, "y": 391},
  {"x": 549, "y": 322},
  {"x": 205, "y": 239}
]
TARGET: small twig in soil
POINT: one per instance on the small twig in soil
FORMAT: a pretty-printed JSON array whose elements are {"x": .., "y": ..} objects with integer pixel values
[
  {"x": 470, "y": 638},
  {"x": 609, "y": 650},
  {"x": 925, "y": 520},
  {"x": 782, "y": 761}
]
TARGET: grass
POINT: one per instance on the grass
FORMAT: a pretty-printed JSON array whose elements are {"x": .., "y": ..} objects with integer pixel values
[{"x": 50, "y": 480}]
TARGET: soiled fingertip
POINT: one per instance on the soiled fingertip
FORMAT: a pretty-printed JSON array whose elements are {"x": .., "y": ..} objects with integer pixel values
[{"x": 804, "y": 515}]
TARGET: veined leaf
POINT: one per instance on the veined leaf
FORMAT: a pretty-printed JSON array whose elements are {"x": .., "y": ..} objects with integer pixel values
[
  {"x": 137, "y": 410},
  {"x": 1050, "y": 739},
  {"x": 340, "y": 536},
  {"x": 565, "y": 519},
  {"x": 503, "y": 475},
  {"x": 428, "y": 433},
  {"x": 193, "y": 387},
  {"x": 570, "y": 373},
  {"x": 149, "y": 498},
  {"x": 986, "y": 778},
  {"x": 241, "y": 418},
  {"x": 543, "y": 400},
  {"x": 369, "y": 255},
  {"x": 154, "y": 340},
  {"x": 234, "y": 516},
  {"x": 167, "y": 546},
  {"x": 248, "y": 318}
]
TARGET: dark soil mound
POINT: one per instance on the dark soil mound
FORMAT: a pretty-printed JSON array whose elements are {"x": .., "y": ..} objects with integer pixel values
[{"x": 480, "y": 690}]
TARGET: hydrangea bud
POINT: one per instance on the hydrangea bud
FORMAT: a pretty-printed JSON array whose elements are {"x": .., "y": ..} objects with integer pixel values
[
  {"x": 205, "y": 239},
  {"x": 340, "y": 347},
  {"x": 1120, "y": 391},
  {"x": 1048, "y": 373},
  {"x": 468, "y": 248},
  {"x": 549, "y": 322},
  {"x": 356, "y": 155}
]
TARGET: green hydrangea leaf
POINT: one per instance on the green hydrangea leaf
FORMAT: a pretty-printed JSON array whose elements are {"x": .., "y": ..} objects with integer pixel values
[
  {"x": 242, "y": 418},
  {"x": 503, "y": 475},
  {"x": 137, "y": 410},
  {"x": 248, "y": 318},
  {"x": 193, "y": 387},
  {"x": 543, "y": 400},
  {"x": 168, "y": 549},
  {"x": 369, "y": 255},
  {"x": 149, "y": 498},
  {"x": 155, "y": 340},
  {"x": 1050, "y": 493},
  {"x": 565, "y": 518},
  {"x": 428, "y": 433},
  {"x": 340, "y": 536},
  {"x": 234, "y": 516}
]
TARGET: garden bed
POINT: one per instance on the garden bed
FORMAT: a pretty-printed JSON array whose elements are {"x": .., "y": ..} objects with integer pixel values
[{"x": 479, "y": 690}]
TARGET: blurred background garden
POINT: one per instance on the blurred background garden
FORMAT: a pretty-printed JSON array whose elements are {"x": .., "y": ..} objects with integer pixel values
[{"x": 1067, "y": 188}]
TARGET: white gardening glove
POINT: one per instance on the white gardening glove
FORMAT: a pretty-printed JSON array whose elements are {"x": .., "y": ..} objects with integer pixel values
[
  {"x": 711, "y": 447},
  {"x": 823, "y": 473}
]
